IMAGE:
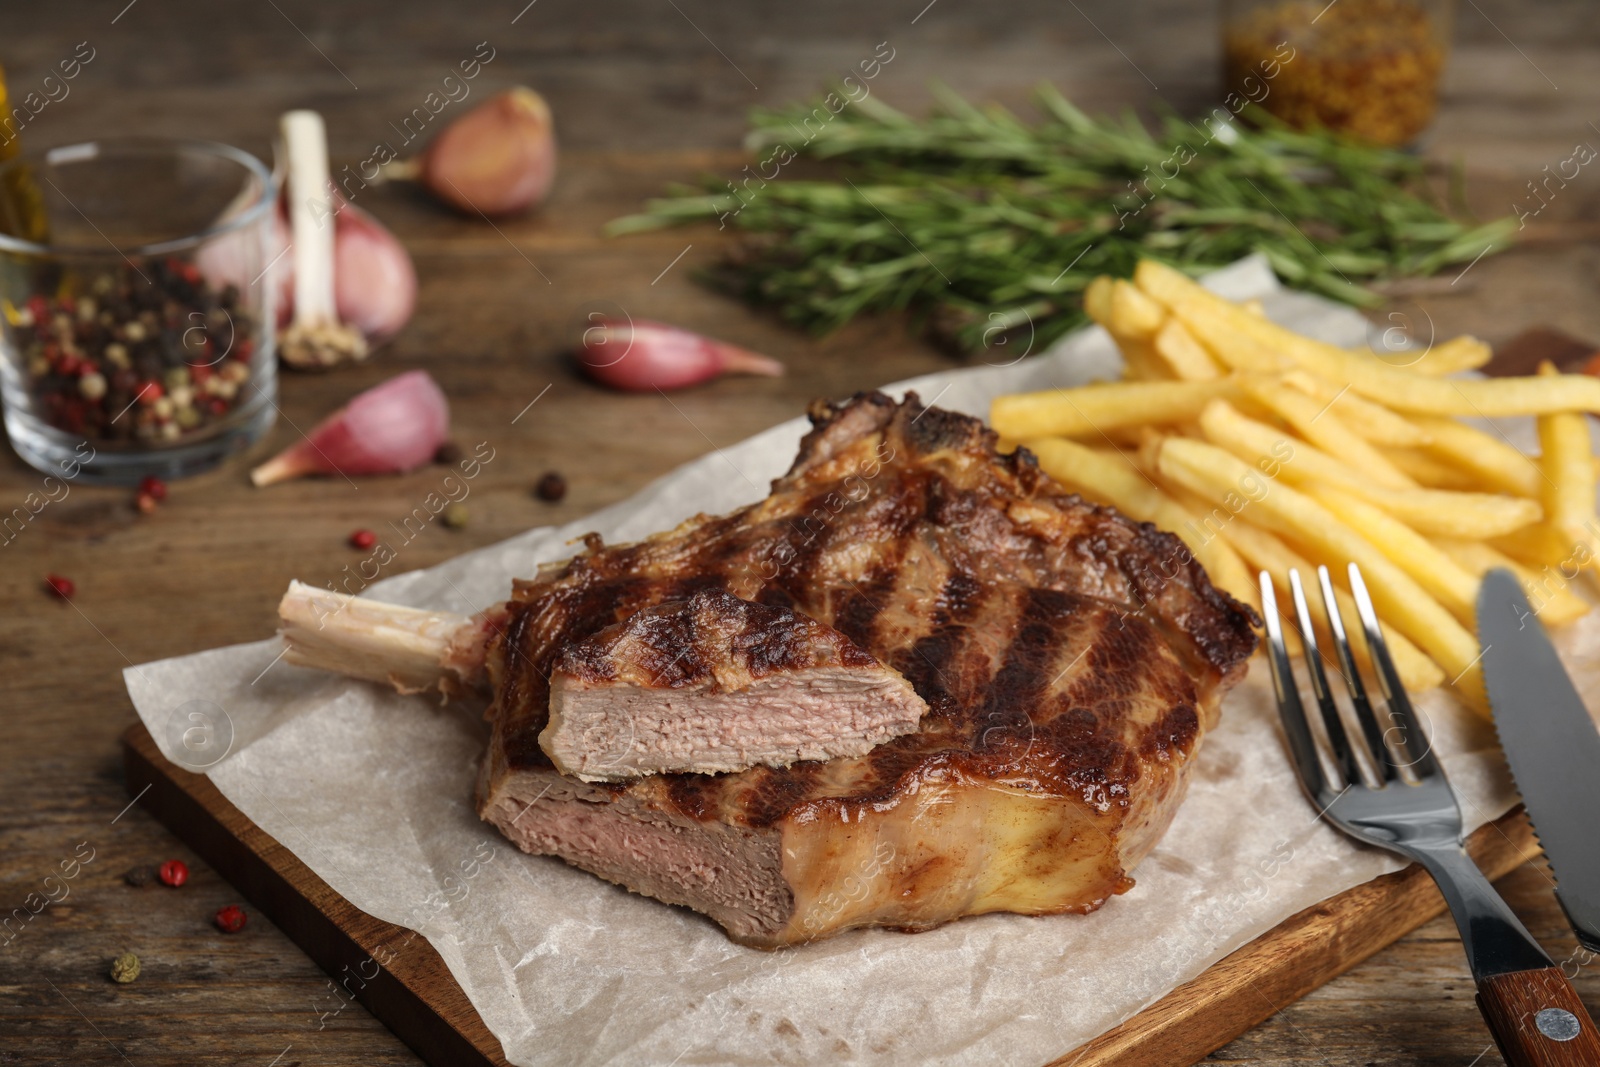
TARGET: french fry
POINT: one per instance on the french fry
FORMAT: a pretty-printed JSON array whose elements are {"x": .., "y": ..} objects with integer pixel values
[
  {"x": 1144, "y": 457},
  {"x": 1222, "y": 478},
  {"x": 1178, "y": 294},
  {"x": 1442, "y": 512},
  {"x": 1469, "y": 397},
  {"x": 1374, "y": 422},
  {"x": 1233, "y": 351},
  {"x": 1091, "y": 410},
  {"x": 1550, "y": 595},
  {"x": 1431, "y": 511},
  {"x": 1125, "y": 318},
  {"x": 1167, "y": 286},
  {"x": 1567, "y": 463},
  {"x": 1485, "y": 456},
  {"x": 1133, "y": 314},
  {"x": 1318, "y": 424},
  {"x": 1116, "y": 481},
  {"x": 1139, "y": 360},
  {"x": 1452, "y": 356},
  {"x": 1267, "y": 552},
  {"x": 1185, "y": 356},
  {"x": 1434, "y": 571},
  {"x": 1542, "y": 545},
  {"x": 1429, "y": 471},
  {"x": 1097, "y": 299},
  {"x": 1438, "y": 360},
  {"x": 1225, "y": 327}
]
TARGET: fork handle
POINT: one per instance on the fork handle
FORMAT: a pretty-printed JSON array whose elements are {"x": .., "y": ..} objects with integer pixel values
[{"x": 1537, "y": 1019}]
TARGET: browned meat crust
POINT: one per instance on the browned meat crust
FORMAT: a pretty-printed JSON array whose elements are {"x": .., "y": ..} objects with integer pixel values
[
  {"x": 1071, "y": 660},
  {"x": 713, "y": 638},
  {"x": 714, "y": 683}
]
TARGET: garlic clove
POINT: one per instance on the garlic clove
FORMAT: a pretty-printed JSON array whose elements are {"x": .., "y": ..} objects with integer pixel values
[
  {"x": 340, "y": 304},
  {"x": 374, "y": 283},
  {"x": 391, "y": 428},
  {"x": 640, "y": 356},
  {"x": 497, "y": 159}
]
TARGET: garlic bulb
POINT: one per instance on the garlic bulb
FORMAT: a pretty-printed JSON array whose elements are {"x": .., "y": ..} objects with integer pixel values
[
  {"x": 348, "y": 283},
  {"x": 497, "y": 159}
]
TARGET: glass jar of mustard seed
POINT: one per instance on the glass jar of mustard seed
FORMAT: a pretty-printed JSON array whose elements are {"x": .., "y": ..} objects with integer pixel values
[
  {"x": 1369, "y": 69},
  {"x": 136, "y": 307}
]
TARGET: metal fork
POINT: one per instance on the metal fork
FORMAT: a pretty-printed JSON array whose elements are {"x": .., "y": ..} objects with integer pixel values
[{"x": 1420, "y": 820}]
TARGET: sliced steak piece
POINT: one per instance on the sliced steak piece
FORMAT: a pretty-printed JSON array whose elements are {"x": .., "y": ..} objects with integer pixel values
[
  {"x": 1072, "y": 660},
  {"x": 714, "y": 683}
]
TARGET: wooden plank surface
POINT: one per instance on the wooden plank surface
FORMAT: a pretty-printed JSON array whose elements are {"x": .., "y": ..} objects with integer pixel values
[
  {"x": 1292, "y": 959},
  {"x": 641, "y": 97},
  {"x": 391, "y": 970}
]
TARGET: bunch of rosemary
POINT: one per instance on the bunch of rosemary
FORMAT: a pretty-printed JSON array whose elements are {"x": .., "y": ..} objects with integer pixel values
[{"x": 992, "y": 227}]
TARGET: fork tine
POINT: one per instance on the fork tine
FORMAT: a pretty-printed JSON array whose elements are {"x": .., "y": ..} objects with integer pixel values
[
  {"x": 1422, "y": 760},
  {"x": 1302, "y": 745},
  {"x": 1382, "y": 759},
  {"x": 1331, "y": 722}
]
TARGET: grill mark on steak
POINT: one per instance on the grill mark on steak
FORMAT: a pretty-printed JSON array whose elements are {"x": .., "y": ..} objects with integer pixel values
[
  {"x": 1174, "y": 733},
  {"x": 890, "y": 516},
  {"x": 1024, "y": 676},
  {"x": 715, "y": 683},
  {"x": 860, "y": 605},
  {"x": 937, "y": 664},
  {"x": 678, "y": 643},
  {"x": 1003, "y": 599}
]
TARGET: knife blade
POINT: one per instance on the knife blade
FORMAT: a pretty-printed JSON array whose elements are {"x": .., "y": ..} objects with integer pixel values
[{"x": 1550, "y": 742}]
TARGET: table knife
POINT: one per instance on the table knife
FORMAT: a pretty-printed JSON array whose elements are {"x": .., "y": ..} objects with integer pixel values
[{"x": 1553, "y": 748}]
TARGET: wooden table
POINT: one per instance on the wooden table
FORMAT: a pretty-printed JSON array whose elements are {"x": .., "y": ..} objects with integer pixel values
[{"x": 643, "y": 93}]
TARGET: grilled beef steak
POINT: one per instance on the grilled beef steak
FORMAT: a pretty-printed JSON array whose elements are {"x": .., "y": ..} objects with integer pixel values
[
  {"x": 714, "y": 683},
  {"x": 1071, "y": 660}
]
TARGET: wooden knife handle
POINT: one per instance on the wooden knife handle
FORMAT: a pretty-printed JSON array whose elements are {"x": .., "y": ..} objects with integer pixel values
[{"x": 1538, "y": 1020}]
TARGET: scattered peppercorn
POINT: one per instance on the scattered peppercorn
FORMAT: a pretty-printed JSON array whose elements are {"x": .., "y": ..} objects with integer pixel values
[
  {"x": 551, "y": 488},
  {"x": 363, "y": 539},
  {"x": 145, "y": 503},
  {"x": 140, "y": 876},
  {"x": 455, "y": 516},
  {"x": 61, "y": 587},
  {"x": 231, "y": 919},
  {"x": 174, "y": 873},
  {"x": 125, "y": 968},
  {"x": 154, "y": 487},
  {"x": 448, "y": 454}
]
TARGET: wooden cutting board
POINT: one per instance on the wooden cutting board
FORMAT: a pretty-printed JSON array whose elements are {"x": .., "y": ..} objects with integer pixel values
[{"x": 399, "y": 977}]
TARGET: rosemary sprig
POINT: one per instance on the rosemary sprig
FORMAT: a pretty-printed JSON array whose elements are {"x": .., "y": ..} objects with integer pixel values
[{"x": 992, "y": 228}]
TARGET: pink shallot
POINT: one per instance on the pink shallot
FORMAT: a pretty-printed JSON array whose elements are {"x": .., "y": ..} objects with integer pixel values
[
  {"x": 640, "y": 356},
  {"x": 390, "y": 428}
]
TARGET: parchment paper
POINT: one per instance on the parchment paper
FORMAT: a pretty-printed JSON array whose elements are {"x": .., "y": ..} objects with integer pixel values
[{"x": 373, "y": 791}]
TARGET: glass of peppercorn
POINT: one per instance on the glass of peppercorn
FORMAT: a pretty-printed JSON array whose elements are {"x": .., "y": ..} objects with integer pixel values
[{"x": 137, "y": 307}]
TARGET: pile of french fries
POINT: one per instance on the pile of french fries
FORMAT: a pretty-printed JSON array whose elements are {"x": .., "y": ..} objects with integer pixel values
[{"x": 1265, "y": 450}]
